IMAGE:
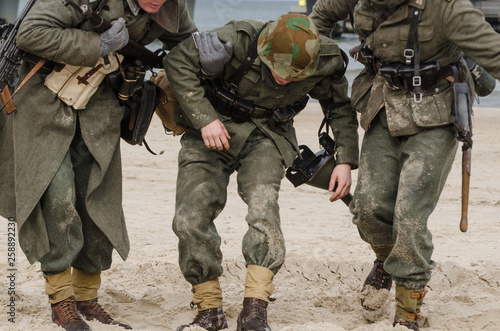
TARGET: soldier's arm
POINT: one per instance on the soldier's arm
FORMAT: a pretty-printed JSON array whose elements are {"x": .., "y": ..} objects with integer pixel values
[
  {"x": 466, "y": 27},
  {"x": 182, "y": 66},
  {"x": 50, "y": 31},
  {"x": 326, "y": 13}
]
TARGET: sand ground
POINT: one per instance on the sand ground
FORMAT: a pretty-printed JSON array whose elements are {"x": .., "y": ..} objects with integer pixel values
[{"x": 326, "y": 261}]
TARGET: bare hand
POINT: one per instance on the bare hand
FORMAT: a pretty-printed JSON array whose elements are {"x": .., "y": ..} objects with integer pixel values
[
  {"x": 215, "y": 135},
  {"x": 340, "y": 180}
]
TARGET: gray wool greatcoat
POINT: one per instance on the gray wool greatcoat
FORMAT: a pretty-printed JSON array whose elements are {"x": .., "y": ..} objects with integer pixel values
[{"x": 43, "y": 126}]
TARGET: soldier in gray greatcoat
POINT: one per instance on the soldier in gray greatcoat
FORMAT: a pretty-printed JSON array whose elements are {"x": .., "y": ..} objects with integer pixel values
[
  {"x": 68, "y": 191},
  {"x": 412, "y": 50},
  {"x": 239, "y": 117}
]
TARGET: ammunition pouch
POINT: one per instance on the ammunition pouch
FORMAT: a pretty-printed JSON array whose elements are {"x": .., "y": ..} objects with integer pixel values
[
  {"x": 400, "y": 76},
  {"x": 284, "y": 116},
  {"x": 75, "y": 85},
  {"x": 228, "y": 104},
  {"x": 241, "y": 110}
]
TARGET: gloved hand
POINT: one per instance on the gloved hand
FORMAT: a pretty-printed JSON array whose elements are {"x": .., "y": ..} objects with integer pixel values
[
  {"x": 213, "y": 54},
  {"x": 114, "y": 38}
]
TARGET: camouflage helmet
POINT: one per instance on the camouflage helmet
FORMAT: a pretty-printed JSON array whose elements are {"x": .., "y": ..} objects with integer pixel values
[{"x": 290, "y": 47}]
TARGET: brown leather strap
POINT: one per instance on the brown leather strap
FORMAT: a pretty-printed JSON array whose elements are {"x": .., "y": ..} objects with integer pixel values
[{"x": 33, "y": 71}]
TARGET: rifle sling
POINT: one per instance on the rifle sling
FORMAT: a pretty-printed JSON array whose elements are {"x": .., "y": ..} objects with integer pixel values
[
  {"x": 231, "y": 84},
  {"x": 33, "y": 71}
]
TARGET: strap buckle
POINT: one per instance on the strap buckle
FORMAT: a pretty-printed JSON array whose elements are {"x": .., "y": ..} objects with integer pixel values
[{"x": 408, "y": 54}]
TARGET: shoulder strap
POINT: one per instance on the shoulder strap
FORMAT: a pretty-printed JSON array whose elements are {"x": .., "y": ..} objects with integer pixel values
[
  {"x": 413, "y": 51},
  {"x": 231, "y": 84}
]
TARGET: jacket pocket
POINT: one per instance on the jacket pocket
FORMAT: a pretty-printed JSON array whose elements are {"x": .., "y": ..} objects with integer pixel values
[{"x": 433, "y": 110}]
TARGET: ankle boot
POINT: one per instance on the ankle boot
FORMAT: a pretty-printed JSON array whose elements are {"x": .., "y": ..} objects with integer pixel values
[
  {"x": 376, "y": 287},
  {"x": 211, "y": 319},
  {"x": 91, "y": 310},
  {"x": 64, "y": 314},
  {"x": 378, "y": 278},
  {"x": 253, "y": 316},
  {"x": 408, "y": 307}
]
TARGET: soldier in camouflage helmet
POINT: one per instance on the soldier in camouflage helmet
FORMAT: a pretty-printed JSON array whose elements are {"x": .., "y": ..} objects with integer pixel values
[
  {"x": 266, "y": 77},
  {"x": 411, "y": 49},
  {"x": 290, "y": 55}
]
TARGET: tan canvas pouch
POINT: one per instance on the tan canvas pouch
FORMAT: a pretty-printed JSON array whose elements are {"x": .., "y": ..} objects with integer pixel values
[
  {"x": 75, "y": 85},
  {"x": 167, "y": 104}
]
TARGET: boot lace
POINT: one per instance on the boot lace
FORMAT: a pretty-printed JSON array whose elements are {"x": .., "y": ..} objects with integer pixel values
[
  {"x": 94, "y": 305},
  {"x": 259, "y": 310},
  {"x": 380, "y": 276},
  {"x": 67, "y": 309}
]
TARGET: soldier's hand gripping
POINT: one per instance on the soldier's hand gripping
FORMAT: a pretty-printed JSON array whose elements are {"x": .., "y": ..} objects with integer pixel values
[
  {"x": 114, "y": 38},
  {"x": 215, "y": 135},
  {"x": 213, "y": 54}
]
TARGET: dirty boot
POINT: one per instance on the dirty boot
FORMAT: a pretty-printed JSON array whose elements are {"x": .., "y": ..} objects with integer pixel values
[
  {"x": 375, "y": 292},
  {"x": 91, "y": 310},
  {"x": 64, "y": 315},
  {"x": 253, "y": 316},
  {"x": 211, "y": 319},
  {"x": 408, "y": 307}
]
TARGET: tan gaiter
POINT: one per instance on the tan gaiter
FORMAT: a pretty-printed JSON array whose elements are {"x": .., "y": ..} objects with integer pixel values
[
  {"x": 59, "y": 286},
  {"x": 86, "y": 285},
  {"x": 259, "y": 283},
  {"x": 207, "y": 295}
]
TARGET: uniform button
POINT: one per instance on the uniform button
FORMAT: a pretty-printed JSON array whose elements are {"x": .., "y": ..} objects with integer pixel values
[
  {"x": 436, "y": 89},
  {"x": 384, "y": 45}
]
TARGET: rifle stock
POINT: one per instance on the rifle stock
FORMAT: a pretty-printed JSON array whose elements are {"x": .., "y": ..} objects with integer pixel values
[{"x": 10, "y": 58}]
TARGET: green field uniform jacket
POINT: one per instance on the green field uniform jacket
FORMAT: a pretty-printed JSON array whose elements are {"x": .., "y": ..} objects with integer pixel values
[
  {"x": 446, "y": 28},
  {"x": 183, "y": 67},
  {"x": 43, "y": 126}
]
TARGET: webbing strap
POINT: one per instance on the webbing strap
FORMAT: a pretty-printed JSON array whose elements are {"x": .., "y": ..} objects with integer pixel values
[
  {"x": 413, "y": 51},
  {"x": 33, "y": 71},
  {"x": 231, "y": 84}
]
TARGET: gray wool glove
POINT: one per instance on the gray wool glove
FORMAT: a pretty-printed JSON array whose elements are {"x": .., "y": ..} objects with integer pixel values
[
  {"x": 213, "y": 54},
  {"x": 114, "y": 38}
]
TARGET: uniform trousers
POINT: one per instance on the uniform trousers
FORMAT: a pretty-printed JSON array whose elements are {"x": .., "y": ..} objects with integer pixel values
[
  {"x": 400, "y": 180},
  {"x": 201, "y": 195}
]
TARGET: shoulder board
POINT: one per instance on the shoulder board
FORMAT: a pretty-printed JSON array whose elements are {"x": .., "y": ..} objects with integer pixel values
[
  {"x": 249, "y": 27},
  {"x": 328, "y": 47},
  {"x": 417, "y": 3}
]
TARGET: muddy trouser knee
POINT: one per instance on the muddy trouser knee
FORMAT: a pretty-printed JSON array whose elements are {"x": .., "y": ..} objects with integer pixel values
[
  {"x": 202, "y": 182},
  {"x": 259, "y": 180},
  {"x": 74, "y": 239},
  {"x": 399, "y": 183}
]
